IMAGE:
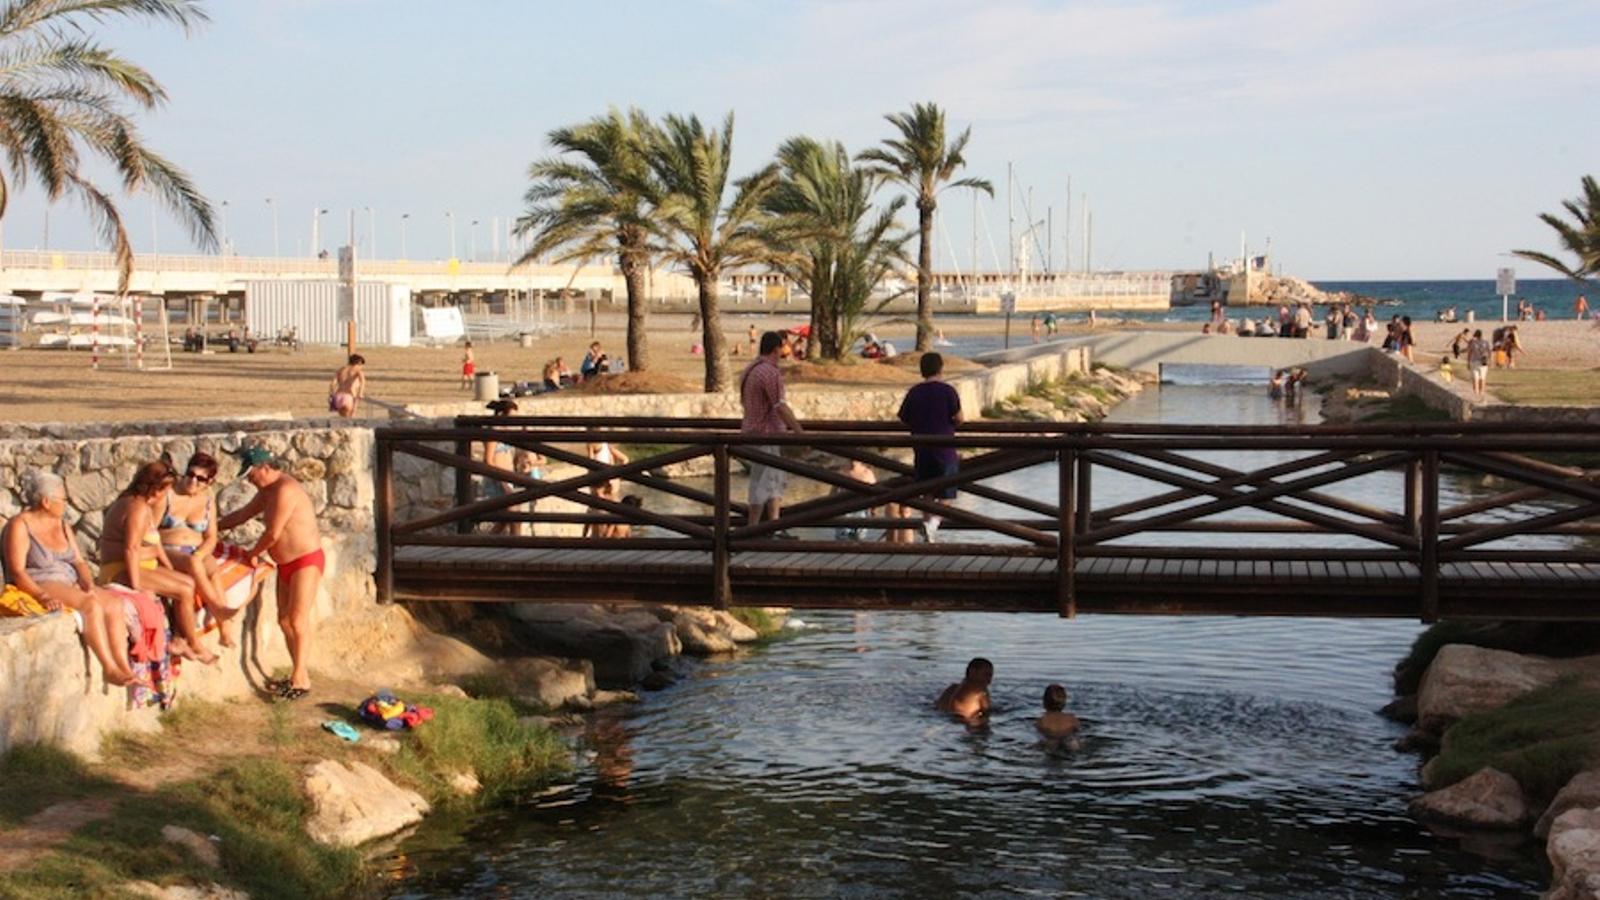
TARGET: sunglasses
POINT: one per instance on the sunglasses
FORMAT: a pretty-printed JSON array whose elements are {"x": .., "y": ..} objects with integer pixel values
[{"x": 203, "y": 479}]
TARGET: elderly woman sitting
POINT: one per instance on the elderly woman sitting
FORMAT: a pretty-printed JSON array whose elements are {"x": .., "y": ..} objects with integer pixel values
[
  {"x": 42, "y": 560},
  {"x": 131, "y": 553}
]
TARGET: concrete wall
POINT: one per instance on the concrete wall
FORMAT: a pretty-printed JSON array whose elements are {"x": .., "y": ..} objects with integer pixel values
[{"x": 1422, "y": 381}]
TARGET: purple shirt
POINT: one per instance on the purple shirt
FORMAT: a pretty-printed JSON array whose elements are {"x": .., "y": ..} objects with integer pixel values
[
  {"x": 761, "y": 390},
  {"x": 931, "y": 408}
]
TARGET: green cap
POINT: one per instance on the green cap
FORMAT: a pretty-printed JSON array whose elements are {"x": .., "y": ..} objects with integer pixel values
[{"x": 252, "y": 456}]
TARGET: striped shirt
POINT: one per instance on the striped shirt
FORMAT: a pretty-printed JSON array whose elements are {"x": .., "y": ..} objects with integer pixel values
[{"x": 761, "y": 391}]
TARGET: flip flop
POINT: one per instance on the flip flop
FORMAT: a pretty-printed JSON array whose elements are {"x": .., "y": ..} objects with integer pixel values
[
  {"x": 294, "y": 693},
  {"x": 342, "y": 730},
  {"x": 276, "y": 685}
]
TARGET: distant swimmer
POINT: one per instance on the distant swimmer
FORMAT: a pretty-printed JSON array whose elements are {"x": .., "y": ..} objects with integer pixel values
[
  {"x": 969, "y": 700},
  {"x": 1056, "y": 723}
]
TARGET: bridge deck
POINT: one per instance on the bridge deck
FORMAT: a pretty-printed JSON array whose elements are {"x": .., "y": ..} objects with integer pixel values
[{"x": 997, "y": 583}]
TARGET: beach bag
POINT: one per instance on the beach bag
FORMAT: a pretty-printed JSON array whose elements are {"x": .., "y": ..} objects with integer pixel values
[
  {"x": 16, "y": 603},
  {"x": 384, "y": 710}
]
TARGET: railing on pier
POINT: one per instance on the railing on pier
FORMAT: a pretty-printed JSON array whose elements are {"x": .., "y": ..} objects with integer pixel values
[{"x": 1294, "y": 537}]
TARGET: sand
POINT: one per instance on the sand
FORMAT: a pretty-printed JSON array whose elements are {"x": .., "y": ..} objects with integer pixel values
[{"x": 58, "y": 386}]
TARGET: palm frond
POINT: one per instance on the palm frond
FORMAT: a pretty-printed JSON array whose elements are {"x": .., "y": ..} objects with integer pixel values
[{"x": 20, "y": 15}]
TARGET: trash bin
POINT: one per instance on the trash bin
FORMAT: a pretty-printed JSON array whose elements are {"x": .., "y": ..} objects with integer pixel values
[
  {"x": 486, "y": 386},
  {"x": 527, "y": 341}
]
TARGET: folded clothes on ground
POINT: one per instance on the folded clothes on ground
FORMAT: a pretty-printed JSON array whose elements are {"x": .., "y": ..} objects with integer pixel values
[{"x": 384, "y": 710}]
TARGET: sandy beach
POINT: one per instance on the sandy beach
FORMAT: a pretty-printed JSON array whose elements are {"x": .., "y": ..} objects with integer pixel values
[{"x": 59, "y": 386}]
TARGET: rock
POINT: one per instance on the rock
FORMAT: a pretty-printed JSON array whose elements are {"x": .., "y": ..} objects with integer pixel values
[
  {"x": 201, "y": 848},
  {"x": 1466, "y": 679},
  {"x": 1417, "y": 741},
  {"x": 465, "y": 784},
  {"x": 1582, "y": 791},
  {"x": 551, "y": 683},
  {"x": 212, "y": 891},
  {"x": 91, "y": 490},
  {"x": 621, "y": 643},
  {"x": 700, "y": 640},
  {"x": 1401, "y": 709},
  {"x": 1574, "y": 851},
  {"x": 608, "y": 698},
  {"x": 355, "y": 804},
  {"x": 657, "y": 680},
  {"x": 451, "y": 690},
  {"x": 1487, "y": 799},
  {"x": 386, "y": 744}
]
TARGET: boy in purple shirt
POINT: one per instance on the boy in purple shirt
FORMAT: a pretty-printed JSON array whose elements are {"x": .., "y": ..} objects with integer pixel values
[{"x": 933, "y": 407}]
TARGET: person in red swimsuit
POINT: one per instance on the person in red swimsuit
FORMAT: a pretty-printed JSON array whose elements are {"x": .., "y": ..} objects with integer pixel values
[{"x": 292, "y": 540}]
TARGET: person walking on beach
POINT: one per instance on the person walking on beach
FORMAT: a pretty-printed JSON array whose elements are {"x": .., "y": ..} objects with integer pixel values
[
  {"x": 469, "y": 367},
  {"x": 933, "y": 408},
  {"x": 766, "y": 412},
  {"x": 348, "y": 387},
  {"x": 1580, "y": 307},
  {"x": 290, "y": 539},
  {"x": 1478, "y": 363},
  {"x": 1406, "y": 340}
]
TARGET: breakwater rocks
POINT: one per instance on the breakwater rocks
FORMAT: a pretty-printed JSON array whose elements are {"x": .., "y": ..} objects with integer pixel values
[
  {"x": 1514, "y": 740},
  {"x": 1078, "y": 397}
]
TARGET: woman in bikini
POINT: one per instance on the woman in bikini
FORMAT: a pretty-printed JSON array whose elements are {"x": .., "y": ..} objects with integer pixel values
[
  {"x": 188, "y": 529},
  {"x": 41, "y": 558},
  {"x": 131, "y": 554}
]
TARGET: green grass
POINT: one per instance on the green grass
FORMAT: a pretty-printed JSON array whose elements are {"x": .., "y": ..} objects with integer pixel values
[
  {"x": 35, "y": 776},
  {"x": 1541, "y": 638},
  {"x": 1406, "y": 409},
  {"x": 481, "y": 736},
  {"x": 764, "y": 624},
  {"x": 1542, "y": 739},
  {"x": 1546, "y": 387}
]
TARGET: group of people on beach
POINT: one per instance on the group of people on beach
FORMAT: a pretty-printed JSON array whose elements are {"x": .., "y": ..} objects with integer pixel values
[{"x": 161, "y": 566}]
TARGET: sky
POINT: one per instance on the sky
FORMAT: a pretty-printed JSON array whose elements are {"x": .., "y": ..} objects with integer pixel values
[{"x": 1367, "y": 139}]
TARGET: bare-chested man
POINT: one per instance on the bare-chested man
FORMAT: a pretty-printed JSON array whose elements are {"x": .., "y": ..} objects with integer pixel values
[
  {"x": 969, "y": 700},
  {"x": 348, "y": 387},
  {"x": 292, "y": 541}
]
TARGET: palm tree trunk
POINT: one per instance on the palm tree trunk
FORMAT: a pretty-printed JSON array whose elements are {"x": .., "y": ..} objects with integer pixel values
[
  {"x": 712, "y": 340},
  {"x": 924, "y": 276},
  {"x": 638, "y": 308}
]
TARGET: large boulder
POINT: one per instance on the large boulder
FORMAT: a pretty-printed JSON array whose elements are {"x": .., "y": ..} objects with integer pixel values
[
  {"x": 1582, "y": 792},
  {"x": 621, "y": 642},
  {"x": 704, "y": 632},
  {"x": 1487, "y": 799},
  {"x": 1465, "y": 679},
  {"x": 549, "y": 682},
  {"x": 1574, "y": 851},
  {"x": 353, "y": 804}
]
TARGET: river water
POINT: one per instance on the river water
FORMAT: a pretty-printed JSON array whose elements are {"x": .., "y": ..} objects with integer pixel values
[{"x": 1221, "y": 756}]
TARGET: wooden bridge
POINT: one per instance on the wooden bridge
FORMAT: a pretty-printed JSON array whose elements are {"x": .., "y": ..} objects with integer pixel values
[{"x": 1480, "y": 521}]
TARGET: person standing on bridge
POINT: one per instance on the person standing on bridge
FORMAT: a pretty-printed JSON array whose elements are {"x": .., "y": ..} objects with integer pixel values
[
  {"x": 933, "y": 408},
  {"x": 766, "y": 412}
]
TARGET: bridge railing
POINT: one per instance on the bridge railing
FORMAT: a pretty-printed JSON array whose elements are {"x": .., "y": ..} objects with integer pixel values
[{"x": 1449, "y": 494}]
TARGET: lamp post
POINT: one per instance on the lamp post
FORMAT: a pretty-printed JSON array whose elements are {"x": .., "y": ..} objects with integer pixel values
[
  {"x": 473, "y": 240},
  {"x": 224, "y": 250},
  {"x": 403, "y": 218},
  {"x": 274, "y": 207},
  {"x": 452, "y": 217},
  {"x": 316, "y": 231}
]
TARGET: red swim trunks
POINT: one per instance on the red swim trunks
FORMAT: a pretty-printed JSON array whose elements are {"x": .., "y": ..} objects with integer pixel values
[
  {"x": 314, "y": 558},
  {"x": 467, "y": 369}
]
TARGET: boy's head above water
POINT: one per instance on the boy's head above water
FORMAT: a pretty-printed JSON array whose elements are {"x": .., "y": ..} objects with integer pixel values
[
  {"x": 1055, "y": 698},
  {"x": 980, "y": 671}
]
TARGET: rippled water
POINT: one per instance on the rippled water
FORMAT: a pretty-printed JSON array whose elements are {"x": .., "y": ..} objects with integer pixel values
[{"x": 1221, "y": 756}]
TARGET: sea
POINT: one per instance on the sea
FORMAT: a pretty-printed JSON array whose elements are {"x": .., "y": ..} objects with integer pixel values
[{"x": 1423, "y": 300}]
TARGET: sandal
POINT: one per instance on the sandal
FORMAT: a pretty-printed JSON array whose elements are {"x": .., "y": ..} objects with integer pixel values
[
  {"x": 275, "y": 686},
  {"x": 294, "y": 693}
]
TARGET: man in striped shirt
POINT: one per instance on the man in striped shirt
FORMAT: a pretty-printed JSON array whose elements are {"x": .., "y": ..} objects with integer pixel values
[{"x": 766, "y": 412}]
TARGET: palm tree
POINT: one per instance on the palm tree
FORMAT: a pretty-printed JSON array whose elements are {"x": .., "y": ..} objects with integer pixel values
[
  {"x": 921, "y": 160},
  {"x": 838, "y": 248},
  {"x": 62, "y": 97},
  {"x": 588, "y": 203},
  {"x": 698, "y": 232},
  {"x": 1581, "y": 239}
]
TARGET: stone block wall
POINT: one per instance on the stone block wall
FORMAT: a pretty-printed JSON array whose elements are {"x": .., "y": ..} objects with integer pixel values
[{"x": 1422, "y": 381}]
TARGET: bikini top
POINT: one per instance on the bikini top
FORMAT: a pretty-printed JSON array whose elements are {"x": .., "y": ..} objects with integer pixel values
[{"x": 169, "y": 521}]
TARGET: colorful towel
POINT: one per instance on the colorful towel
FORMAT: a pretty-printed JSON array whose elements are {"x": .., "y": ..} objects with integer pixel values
[
  {"x": 148, "y": 634},
  {"x": 384, "y": 710},
  {"x": 17, "y": 603},
  {"x": 240, "y": 580}
]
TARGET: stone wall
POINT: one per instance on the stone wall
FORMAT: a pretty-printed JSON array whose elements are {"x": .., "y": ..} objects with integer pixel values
[
  {"x": 53, "y": 688},
  {"x": 1405, "y": 379}
]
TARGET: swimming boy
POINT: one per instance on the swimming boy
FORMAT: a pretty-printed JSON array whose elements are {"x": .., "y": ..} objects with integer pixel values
[
  {"x": 1056, "y": 723},
  {"x": 969, "y": 700}
]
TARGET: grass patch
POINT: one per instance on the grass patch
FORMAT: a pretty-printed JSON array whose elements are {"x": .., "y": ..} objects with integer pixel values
[
  {"x": 481, "y": 736},
  {"x": 36, "y": 775},
  {"x": 766, "y": 625},
  {"x": 1405, "y": 409},
  {"x": 1542, "y": 739},
  {"x": 1539, "y": 638},
  {"x": 1546, "y": 387}
]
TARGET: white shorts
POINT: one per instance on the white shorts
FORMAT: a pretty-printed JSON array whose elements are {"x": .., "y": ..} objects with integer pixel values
[
  {"x": 1479, "y": 372},
  {"x": 767, "y": 482}
]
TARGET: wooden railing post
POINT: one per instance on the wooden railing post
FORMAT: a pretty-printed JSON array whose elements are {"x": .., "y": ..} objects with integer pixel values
[
  {"x": 1066, "y": 534},
  {"x": 1083, "y": 507},
  {"x": 721, "y": 584},
  {"x": 464, "y": 487},
  {"x": 1413, "y": 497},
  {"x": 383, "y": 518},
  {"x": 1428, "y": 537}
]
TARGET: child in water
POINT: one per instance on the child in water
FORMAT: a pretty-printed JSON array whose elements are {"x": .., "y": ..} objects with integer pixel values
[{"x": 1057, "y": 724}]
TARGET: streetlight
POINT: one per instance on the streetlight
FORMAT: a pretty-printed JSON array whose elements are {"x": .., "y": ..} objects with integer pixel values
[
  {"x": 316, "y": 232},
  {"x": 474, "y": 240},
  {"x": 452, "y": 217},
  {"x": 274, "y": 207},
  {"x": 372, "y": 231},
  {"x": 403, "y": 218},
  {"x": 224, "y": 250}
]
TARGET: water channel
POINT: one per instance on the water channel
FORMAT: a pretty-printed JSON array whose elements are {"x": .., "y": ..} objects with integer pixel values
[{"x": 1221, "y": 756}]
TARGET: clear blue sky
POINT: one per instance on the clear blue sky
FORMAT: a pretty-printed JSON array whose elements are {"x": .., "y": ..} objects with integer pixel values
[{"x": 1366, "y": 138}]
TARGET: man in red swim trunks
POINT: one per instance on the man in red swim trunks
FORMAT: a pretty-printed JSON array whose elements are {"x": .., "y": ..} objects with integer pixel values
[{"x": 292, "y": 540}]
